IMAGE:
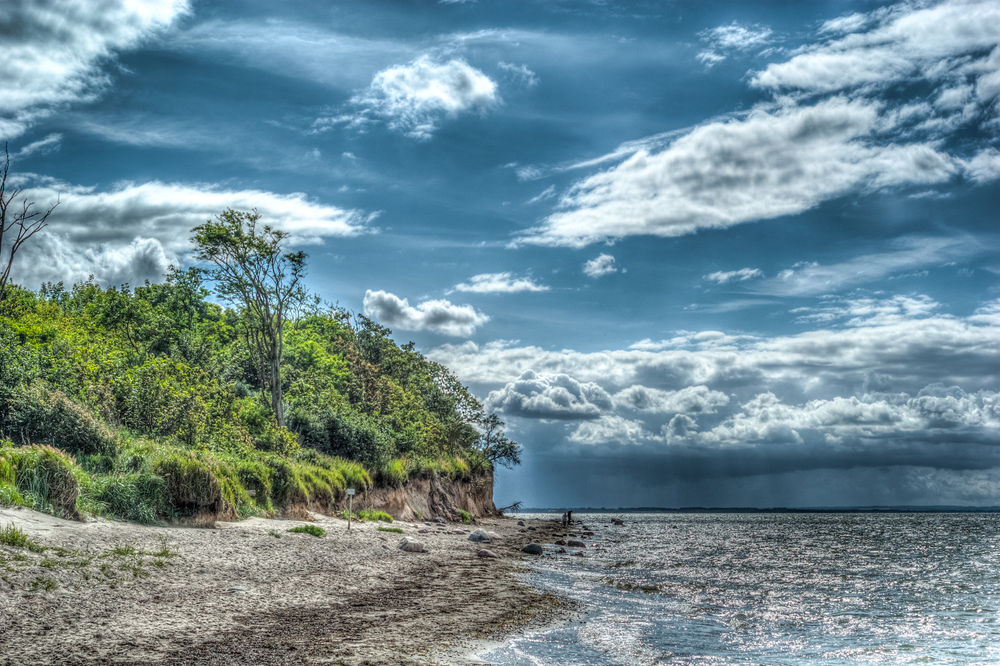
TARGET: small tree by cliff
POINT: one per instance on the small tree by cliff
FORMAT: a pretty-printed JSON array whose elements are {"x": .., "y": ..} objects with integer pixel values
[
  {"x": 252, "y": 270},
  {"x": 496, "y": 446},
  {"x": 18, "y": 222}
]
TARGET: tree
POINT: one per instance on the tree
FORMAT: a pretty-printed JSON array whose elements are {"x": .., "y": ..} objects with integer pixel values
[
  {"x": 496, "y": 446},
  {"x": 18, "y": 222},
  {"x": 252, "y": 270}
]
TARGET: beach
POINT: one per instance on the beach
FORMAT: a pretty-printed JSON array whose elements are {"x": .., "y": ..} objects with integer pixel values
[{"x": 251, "y": 592}]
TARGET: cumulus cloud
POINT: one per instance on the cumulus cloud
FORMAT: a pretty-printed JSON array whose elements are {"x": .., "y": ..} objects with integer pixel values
[
  {"x": 438, "y": 316},
  {"x": 602, "y": 264},
  {"x": 413, "y": 98},
  {"x": 725, "y": 39},
  {"x": 55, "y": 52},
  {"x": 688, "y": 400},
  {"x": 499, "y": 283},
  {"x": 739, "y": 275},
  {"x": 829, "y": 131},
  {"x": 550, "y": 396},
  {"x": 131, "y": 232},
  {"x": 883, "y": 381}
]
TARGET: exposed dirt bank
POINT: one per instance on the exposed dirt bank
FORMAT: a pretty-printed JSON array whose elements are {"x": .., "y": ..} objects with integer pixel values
[{"x": 251, "y": 592}]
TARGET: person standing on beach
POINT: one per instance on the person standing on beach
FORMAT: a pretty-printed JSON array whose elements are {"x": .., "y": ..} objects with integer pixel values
[{"x": 569, "y": 517}]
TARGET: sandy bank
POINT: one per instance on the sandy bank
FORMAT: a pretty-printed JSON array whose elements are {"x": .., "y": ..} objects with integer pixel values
[{"x": 251, "y": 592}]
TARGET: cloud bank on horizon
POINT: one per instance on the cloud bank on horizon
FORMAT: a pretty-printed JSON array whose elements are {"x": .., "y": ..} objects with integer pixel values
[{"x": 801, "y": 302}]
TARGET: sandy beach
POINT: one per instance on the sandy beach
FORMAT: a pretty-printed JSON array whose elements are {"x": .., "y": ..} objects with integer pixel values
[{"x": 251, "y": 592}]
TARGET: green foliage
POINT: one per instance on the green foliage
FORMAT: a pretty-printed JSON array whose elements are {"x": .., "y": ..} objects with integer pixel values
[
  {"x": 466, "y": 516},
  {"x": 389, "y": 529},
  {"x": 375, "y": 516},
  {"x": 46, "y": 477},
  {"x": 152, "y": 403},
  {"x": 13, "y": 536},
  {"x": 38, "y": 414},
  {"x": 309, "y": 529}
]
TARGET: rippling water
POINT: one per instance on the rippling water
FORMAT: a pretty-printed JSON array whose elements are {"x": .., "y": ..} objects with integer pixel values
[{"x": 774, "y": 589}]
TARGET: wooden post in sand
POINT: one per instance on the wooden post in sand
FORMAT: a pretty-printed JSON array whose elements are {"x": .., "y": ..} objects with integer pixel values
[{"x": 350, "y": 507}]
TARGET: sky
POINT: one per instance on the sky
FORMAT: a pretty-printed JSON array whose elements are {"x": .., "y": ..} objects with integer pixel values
[{"x": 693, "y": 253}]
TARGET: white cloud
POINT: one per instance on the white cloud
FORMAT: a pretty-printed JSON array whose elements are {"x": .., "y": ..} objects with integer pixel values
[
  {"x": 886, "y": 382},
  {"x": 145, "y": 225},
  {"x": 499, "y": 283},
  {"x": 602, "y": 264},
  {"x": 54, "y": 51},
  {"x": 412, "y": 98},
  {"x": 550, "y": 396},
  {"x": 829, "y": 131},
  {"x": 688, "y": 400},
  {"x": 732, "y": 37},
  {"x": 810, "y": 278},
  {"x": 908, "y": 42},
  {"x": 521, "y": 72},
  {"x": 45, "y": 145},
  {"x": 439, "y": 316},
  {"x": 739, "y": 275},
  {"x": 773, "y": 162}
]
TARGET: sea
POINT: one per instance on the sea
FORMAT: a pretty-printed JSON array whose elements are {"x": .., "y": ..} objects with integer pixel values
[{"x": 771, "y": 588}]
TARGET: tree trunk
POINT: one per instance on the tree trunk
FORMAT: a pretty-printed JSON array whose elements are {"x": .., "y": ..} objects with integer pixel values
[{"x": 277, "y": 404}]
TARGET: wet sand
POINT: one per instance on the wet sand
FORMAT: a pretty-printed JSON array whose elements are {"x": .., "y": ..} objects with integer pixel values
[{"x": 250, "y": 592}]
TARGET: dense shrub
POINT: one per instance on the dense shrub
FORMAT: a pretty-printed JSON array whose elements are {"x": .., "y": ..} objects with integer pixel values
[
  {"x": 45, "y": 477},
  {"x": 37, "y": 414},
  {"x": 137, "y": 496}
]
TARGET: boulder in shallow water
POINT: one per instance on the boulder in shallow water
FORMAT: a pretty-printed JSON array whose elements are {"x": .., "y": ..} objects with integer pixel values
[
  {"x": 411, "y": 545},
  {"x": 573, "y": 543},
  {"x": 489, "y": 554},
  {"x": 533, "y": 549},
  {"x": 480, "y": 535}
]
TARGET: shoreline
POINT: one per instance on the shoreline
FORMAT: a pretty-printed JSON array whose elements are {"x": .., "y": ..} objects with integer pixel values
[{"x": 251, "y": 592}]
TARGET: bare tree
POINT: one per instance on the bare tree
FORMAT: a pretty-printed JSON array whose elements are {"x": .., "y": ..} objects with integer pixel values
[{"x": 18, "y": 222}]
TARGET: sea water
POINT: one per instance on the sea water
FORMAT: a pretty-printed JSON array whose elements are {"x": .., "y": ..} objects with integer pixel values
[{"x": 772, "y": 588}]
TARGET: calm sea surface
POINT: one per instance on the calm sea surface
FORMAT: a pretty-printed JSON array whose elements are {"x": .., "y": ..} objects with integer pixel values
[{"x": 774, "y": 589}]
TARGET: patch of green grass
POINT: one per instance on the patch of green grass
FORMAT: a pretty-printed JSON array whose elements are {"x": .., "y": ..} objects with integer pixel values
[
  {"x": 164, "y": 550},
  {"x": 309, "y": 529},
  {"x": 466, "y": 516},
  {"x": 14, "y": 536},
  {"x": 42, "y": 583},
  {"x": 389, "y": 529},
  {"x": 124, "y": 550},
  {"x": 377, "y": 516}
]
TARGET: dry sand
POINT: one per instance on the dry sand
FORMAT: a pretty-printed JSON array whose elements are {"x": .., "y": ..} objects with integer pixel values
[{"x": 250, "y": 592}]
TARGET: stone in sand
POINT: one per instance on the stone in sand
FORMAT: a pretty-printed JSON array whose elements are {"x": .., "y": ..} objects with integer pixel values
[
  {"x": 411, "y": 545},
  {"x": 480, "y": 535},
  {"x": 487, "y": 553},
  {"x": 573, "y": 543},
  {"x": 532, "y": 549},
  {"x": 520, "y": 523}
]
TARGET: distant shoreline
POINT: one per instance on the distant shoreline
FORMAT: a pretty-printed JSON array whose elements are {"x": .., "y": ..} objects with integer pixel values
[{"x": 743, "y": 509}]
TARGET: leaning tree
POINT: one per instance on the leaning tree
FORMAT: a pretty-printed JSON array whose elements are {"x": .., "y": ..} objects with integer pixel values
[{"x": 19, "y": 221}]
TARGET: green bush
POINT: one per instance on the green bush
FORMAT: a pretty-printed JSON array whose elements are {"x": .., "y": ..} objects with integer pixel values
[
  {"x": 394, "y": 473},
  {"x": 196, "y": 482},
  {"x": 309, "y": 529},
  {"x": 13, "y": 536},
  {"x": 137, "y": 496},
  {"x": 389, "y": 529},
  {"x": 46, "y": 477},
  {"x": 377, "y": 516},
  {"x": 39, "y": 415},
  {"x": 466, "y": 516}
]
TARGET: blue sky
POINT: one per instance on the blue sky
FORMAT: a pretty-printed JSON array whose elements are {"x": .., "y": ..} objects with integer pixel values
[{"x": 694, "y": 253}]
